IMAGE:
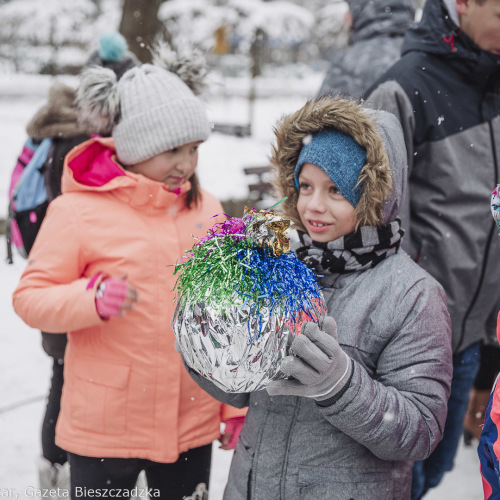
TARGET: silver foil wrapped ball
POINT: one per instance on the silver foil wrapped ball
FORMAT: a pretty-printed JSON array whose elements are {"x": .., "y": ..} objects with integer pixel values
[
  {"x": 228, "y": 349},
  {"x": 241, "y": 296}
]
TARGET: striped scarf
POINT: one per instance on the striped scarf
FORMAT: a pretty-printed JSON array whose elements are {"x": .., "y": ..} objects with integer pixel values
[{"x": 357, "y": 251}]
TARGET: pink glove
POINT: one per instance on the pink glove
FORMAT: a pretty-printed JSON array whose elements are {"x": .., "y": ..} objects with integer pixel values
[
  {"x": 110, "y": 296},
  {"x": 232, "y": 432}
]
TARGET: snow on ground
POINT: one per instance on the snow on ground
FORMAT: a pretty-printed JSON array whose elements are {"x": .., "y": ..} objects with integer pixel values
[{"x": 25, "y": 369}]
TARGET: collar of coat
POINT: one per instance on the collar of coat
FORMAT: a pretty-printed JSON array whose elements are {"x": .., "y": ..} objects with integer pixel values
[
  {"x": 438, "y": 34},
  {"x": 93, "y": 167}
]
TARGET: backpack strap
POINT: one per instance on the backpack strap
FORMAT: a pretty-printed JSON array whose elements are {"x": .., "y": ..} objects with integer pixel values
[
  {"x": 29, "y": 148},
  {"x": 8, "y": 238},
  {"x": 28, "y": 195},
  {"x": 30, "y": 191}
]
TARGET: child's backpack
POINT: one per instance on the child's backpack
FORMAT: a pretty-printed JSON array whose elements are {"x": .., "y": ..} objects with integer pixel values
[{"x": 27, "y": 197}]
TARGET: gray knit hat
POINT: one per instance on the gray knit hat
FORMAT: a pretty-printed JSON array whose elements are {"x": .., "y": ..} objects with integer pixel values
[{"x": 151, "y": 109}]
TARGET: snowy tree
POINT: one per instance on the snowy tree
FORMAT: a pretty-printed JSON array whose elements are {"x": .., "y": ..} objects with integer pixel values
[
  {"x": 330, "y": 31},
  {"x": 54, "y": 36},
  {"x": 37, "y": 36},
  {"x": 195, "y": 21}
]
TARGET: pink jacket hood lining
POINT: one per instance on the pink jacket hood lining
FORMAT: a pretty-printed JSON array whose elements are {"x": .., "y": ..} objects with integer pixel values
[{"x": 93, "y": 164}]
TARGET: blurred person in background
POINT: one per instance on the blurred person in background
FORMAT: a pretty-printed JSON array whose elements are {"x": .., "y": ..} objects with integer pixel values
[
  {"x": 113, "y": 53},
  {"x": 377, "y": 31},
  {"x": 445, "y": 90}
]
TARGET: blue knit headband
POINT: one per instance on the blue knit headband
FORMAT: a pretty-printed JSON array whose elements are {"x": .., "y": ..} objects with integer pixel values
[{"x": 340, "y": 157}]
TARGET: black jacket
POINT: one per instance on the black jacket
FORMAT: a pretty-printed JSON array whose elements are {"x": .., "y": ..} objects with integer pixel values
[{"x": 445, "y": 91}]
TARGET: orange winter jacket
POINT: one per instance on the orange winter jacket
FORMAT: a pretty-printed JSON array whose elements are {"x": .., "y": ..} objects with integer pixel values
[{"x": 126, "y": 392}]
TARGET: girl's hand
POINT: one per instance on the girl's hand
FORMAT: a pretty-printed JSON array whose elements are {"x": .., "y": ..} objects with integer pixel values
[
  {"x": 114, "y": 297},
  {"x": 231, "y": 433}
]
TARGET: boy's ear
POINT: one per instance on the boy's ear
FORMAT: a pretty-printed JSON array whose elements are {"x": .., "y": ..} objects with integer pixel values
[{"x": 463, "y": 7}]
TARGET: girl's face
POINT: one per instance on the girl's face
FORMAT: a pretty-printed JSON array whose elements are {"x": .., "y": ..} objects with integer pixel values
[
  {"x": 324, "y": 212},
  {"x": 172, "y": 167}
]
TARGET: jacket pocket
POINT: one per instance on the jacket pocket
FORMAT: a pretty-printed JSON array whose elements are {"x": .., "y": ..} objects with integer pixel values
[
  {"x": 99, "y": 395},
  {"x": 240, "y": 474},
  {"x": 342, "y": 483}
]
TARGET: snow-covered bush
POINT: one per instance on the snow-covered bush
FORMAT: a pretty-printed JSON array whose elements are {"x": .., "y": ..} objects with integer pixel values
[
  {"x": 56, "y": 37},
  {"x": 195, "y": 21},
  {"x": 330, "y": 31},
  {"x": 291, "y": 24},
  {"x": 279, "y": 28},
  {"x": 52, "y": 36}
]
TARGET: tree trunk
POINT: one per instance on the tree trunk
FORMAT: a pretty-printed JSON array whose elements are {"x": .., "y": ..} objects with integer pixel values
[{"x": 139, "y": 25}]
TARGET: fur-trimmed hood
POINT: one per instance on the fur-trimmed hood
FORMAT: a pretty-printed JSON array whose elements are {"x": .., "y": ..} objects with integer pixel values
[
  {"x": 384, "y": 175},
  {"x": 58, "y": 117}
]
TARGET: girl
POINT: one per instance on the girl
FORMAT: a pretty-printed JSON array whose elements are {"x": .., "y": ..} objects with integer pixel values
[
  {"x": 367, "y": 389},
  {"x": 101, "y": 269}
]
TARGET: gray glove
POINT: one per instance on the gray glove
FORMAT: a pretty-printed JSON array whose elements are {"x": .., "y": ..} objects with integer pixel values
[{"x": 317, "y": 366}]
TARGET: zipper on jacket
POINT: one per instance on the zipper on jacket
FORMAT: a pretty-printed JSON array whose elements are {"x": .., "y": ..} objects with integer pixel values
[
  {"x": 252, "y": 477},
  {"x": 296, "y": 411},
  {"x": 488, "y": 243}
]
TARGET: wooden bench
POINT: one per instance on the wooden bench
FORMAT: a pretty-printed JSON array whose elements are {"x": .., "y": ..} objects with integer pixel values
[
  {"x": 232, "y": 129},
  {"x": 262, "y": 186}
]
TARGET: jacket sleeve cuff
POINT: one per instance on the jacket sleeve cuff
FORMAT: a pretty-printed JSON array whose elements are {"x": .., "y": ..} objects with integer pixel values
[{"x": 338, "y": 395}]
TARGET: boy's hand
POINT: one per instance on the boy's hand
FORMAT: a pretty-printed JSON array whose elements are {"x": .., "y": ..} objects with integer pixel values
[{"x": 317, "y": 366}]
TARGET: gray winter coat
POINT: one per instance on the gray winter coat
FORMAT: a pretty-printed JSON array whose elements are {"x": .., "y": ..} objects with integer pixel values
[
  {"x": 376, "y": 38},
  {"x": 445, "y": 91},
  {"x": 392, "y": 322}
]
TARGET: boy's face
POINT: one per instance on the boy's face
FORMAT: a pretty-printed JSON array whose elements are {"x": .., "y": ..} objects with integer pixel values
[
  {"x": 324, "y": 212},
  {"x": 481, "y": 23},
  {"x": 173, "y": 167}
]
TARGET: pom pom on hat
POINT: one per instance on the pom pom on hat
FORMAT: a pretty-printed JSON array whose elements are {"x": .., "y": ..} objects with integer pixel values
[
  {"x": 112, "y": 46},
  {"x": 188, "y": 64},
  {"x": 98, "y": 99},
  {"x": 340, "y": 157}
]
